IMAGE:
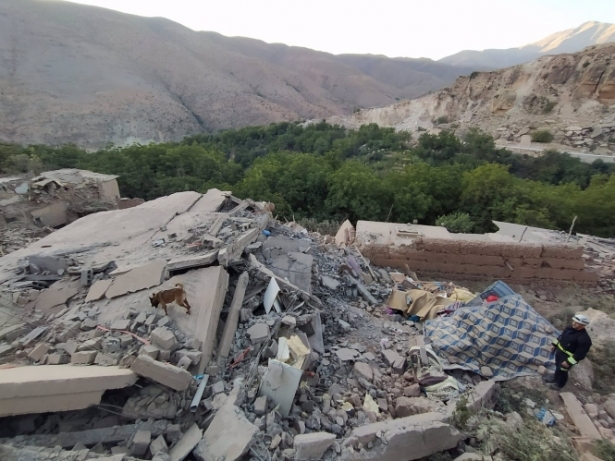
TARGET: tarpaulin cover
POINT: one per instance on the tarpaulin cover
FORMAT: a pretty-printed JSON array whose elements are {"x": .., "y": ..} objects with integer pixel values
[{"x": 507, "y": 335}]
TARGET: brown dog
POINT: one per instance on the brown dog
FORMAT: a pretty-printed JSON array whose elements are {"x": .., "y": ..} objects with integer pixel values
[{"x": 177, "y": 294}]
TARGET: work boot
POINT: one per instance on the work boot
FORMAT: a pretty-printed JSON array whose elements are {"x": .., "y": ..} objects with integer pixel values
[{"x": 549, "y": 379}]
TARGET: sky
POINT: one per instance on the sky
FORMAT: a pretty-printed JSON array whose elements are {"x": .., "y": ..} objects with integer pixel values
[{"x": 426, "y": 28}]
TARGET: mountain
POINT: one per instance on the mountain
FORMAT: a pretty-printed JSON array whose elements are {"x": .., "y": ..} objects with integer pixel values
[
  {"x": 72, "y": 73},
  {"x": 568, "y": 41},
  {"x": 571, "y": 95}
]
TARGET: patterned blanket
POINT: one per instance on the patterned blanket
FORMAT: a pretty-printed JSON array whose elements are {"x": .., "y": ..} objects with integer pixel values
[{"x": 507, "y": 335}]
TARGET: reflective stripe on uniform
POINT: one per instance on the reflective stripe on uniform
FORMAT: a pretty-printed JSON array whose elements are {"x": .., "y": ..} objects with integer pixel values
[{"x": 569, "y": 354}]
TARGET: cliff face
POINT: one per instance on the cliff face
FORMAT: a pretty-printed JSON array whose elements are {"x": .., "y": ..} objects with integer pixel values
[{"x": 553, "y": 91}]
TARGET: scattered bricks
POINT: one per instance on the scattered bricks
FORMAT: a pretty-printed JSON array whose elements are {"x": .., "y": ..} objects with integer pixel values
[
  {"x": 139, "y": 443},
  {"x": 126, "y": 340},
  {"x": 121, "y": 324},
  {"x": 150, "y": 350},
  {"x": 258, "y": 333},
  {"x": 312, "y": 446},
  {"x": 363, "y": 370},
  {"x": 83, "y": 358},
  {"x": 164, "y": 356},
  {"x": 150, "y": 320},
  {"x": 163, "y": 321},
  {"x": 38, "y": 352},
  {"x": 193, "y": 356},
  {"x": 104, "y": 360},
  {"x": 141, "y": 318},
  {"x": 57, "y": 359},
  {"x": 111, "y": 344},
  {"x": 159, "y": 445},
  {"x": 260, "y": 406},
  {"x": 163, "y": 373},
  {"x": 90, "y": 345},
  {"x": 163, "y": 338},
  {"x": 394, "y": 360}
]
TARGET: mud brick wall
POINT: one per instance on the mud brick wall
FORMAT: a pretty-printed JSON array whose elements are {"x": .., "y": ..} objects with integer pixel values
[{"x": 471, "y": 259}]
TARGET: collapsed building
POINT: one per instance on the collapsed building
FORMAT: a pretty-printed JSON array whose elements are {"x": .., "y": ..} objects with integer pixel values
[
  {"x": 36, "y": 204},
  {"x": 295, "y": 347}
]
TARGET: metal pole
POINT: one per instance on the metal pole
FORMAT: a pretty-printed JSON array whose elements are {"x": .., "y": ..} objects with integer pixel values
[
  {"x": 199, "y": 394},
  {"x": 571, "y": 227}
]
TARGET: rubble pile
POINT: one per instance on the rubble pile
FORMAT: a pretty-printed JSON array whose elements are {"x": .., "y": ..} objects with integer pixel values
[
  {"x": 601, "y": 135},
  {"x": 295, "y": 346},
  {"x": 32, "y": 206}
]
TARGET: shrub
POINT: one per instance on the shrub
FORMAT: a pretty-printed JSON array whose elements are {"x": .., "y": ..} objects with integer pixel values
[
  {"x": 548, "y": 106},
  {"x": 441, "y": 120},
  {"x": 457, "y": 223},
  {"x": 542, "y": 136}
]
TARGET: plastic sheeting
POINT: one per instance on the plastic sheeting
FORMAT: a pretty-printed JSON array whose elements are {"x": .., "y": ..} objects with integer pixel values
[{"x": 507, "y": 335}]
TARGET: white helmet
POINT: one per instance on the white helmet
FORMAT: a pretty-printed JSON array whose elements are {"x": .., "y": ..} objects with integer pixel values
[{"x": 580, "y": 318}]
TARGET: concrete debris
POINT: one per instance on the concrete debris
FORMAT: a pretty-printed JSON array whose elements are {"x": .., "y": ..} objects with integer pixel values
[
  {"x": 578, "y": 416},
  {"x": 320, "y": 349}
]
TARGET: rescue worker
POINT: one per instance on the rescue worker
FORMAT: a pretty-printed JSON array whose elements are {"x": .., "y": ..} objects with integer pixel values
[{"x": 570, "y": 348}]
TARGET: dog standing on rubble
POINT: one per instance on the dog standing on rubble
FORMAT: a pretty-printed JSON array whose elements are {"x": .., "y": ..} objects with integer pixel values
[{"x": 177, "y": 294}]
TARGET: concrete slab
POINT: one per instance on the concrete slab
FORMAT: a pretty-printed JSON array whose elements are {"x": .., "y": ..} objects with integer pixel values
[
  {"x": 296, "y": 267},
  {"x": 40, "y": 389},
  {"x": 98, "y": 290},
  {"x": 211, "y": 201},
  {"x": 280, "y": 384},
  {"x": 163, "y": 373},
  {"x": 186, "y": 444},
  {"x": 578, "y": 416},
  {"x": 345, "y": 234},
  {"x": 137, "y": 279},
  {"x": 56, "y": 296},
  {"x": 216, "y": 443}
]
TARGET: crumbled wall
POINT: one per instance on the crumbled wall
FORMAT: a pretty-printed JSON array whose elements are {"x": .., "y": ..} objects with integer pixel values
[{"x": 471, "y": 259}]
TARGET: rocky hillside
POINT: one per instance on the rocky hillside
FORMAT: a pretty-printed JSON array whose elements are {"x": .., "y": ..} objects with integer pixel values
[
  {"x": 90, "y": 76},
  {"x": 567, "y": 41},
  {"x": 571, "y": 95}
]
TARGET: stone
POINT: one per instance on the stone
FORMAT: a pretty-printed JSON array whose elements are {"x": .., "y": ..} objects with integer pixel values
[
  {"x": 579, "y": 417},
  {"x": 289, "y": 320},
  {"x": 260, "y": 405},
  {"x": 57, "y": 359},
  {"x": 312, "y": 446},
  {"x": 481, "y": 395},
  {"x": 345, "y": 354},
  {"x": 609, "y": 407},
  {"x": 394, "y": 360},
  {"x": 83, "y": 358},
  {"x": 140, "y": 442},
  {"x": 514, "y": 420},
  {"x": 363, "y": 370},
  {"x": 330, "y": 283},
  {"x": 121, "y": 324},
  {"x": 38, "y": 352},
  {"x": 591, "y": 409},
  {"x": 163, "y": 373},
  {"x": 194, "y": 356},
  {"x": 486, "y": 372},
  {"x": 258, "y": 333},
  {"x": 150, "y": 350},
  {"x": 414, "y": 390},
  {"x": 404, "y": 407},
  {"x": 184, "y": 363},
  {"x": 163, "y": 338},
  {"x": 217, "y": 388}
]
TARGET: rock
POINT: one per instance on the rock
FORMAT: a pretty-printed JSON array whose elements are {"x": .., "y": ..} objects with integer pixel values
[
  {"x": 38, "y": 352},
  {"x": 217, "y": 388},
  {"x": 514, "y": 420},
  {"x": 150, "y": 350},
  {"x": 83, "y": 358},
  {"x": 583, "y": 374},
  {"x": 414, "y": 390},
  {"x": 330, "y": 283},
  {"x": 394, "y": 360},
  {"x": 591, "y": 409},
  {"x": 345, "y": 354},
  {"x": 363, "y": 370},
  {"x": 258, "y": 333},
  {"x": 312, "y": 446},
  {"x": 486, "y": 372},
  {"x": 609, "y": 407},
  {"x": 159, "y": 445},
  {"x": 404, "y": 407}
]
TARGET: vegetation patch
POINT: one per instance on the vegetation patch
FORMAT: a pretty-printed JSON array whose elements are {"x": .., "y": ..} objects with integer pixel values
[{"x": 542, "y": 136}]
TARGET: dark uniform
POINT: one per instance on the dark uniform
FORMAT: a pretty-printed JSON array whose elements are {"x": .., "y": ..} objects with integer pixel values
[{"x": 572, "y": 346}]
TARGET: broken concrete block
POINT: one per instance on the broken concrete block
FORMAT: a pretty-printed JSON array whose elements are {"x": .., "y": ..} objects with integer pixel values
[
  {"x": 6, "y": 349},
  {"x": 260, "y": 405},
  {"x": 193, "y": 356},
  {"x": 184, "y": 363},
  {"x": 394, "y": 360},
  {"x": 258, "y": 333},
  {"x": 486, "y": 372},
  {"x": 140, "y": 442},
  {"x": 163, "y": 373},
  {"x": 345, "y": 234},
  {"x": 312, "y": 446},
  {"x": 70, "y": 347},
  {"x": 158, "y": 445},
  {"x": 97, "y": 290},
  {"x": 57, "y": 359},
  {"x": 330, "y": 283},
  {"x": 216, "y": 443},
  {"x": 217, "y": 388},
  {"x": 186, "y": 444},
  {"x": 408, "y": 438},
  {"x": 150, "y": 350},
  {"x": 163, "y": 338},
  {"x": 139, "y": 278},
  {"x": 83, "y": 358},
  {"x": 280, "y": 384},
  {"x": 104, "y": 360},
  {"x": 38, "y": 352},
  {"x": 88, "y": 324},
  {"x": 481, "y": 395},
  {"x": 345, "y": 354}
]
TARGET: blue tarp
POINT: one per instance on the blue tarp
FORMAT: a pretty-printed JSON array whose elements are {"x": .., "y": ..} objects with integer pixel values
[{"x": 507, "y": 335}]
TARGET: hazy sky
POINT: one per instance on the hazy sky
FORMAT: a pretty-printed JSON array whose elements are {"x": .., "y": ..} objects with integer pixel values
[{"x": 426, "y": 28}]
